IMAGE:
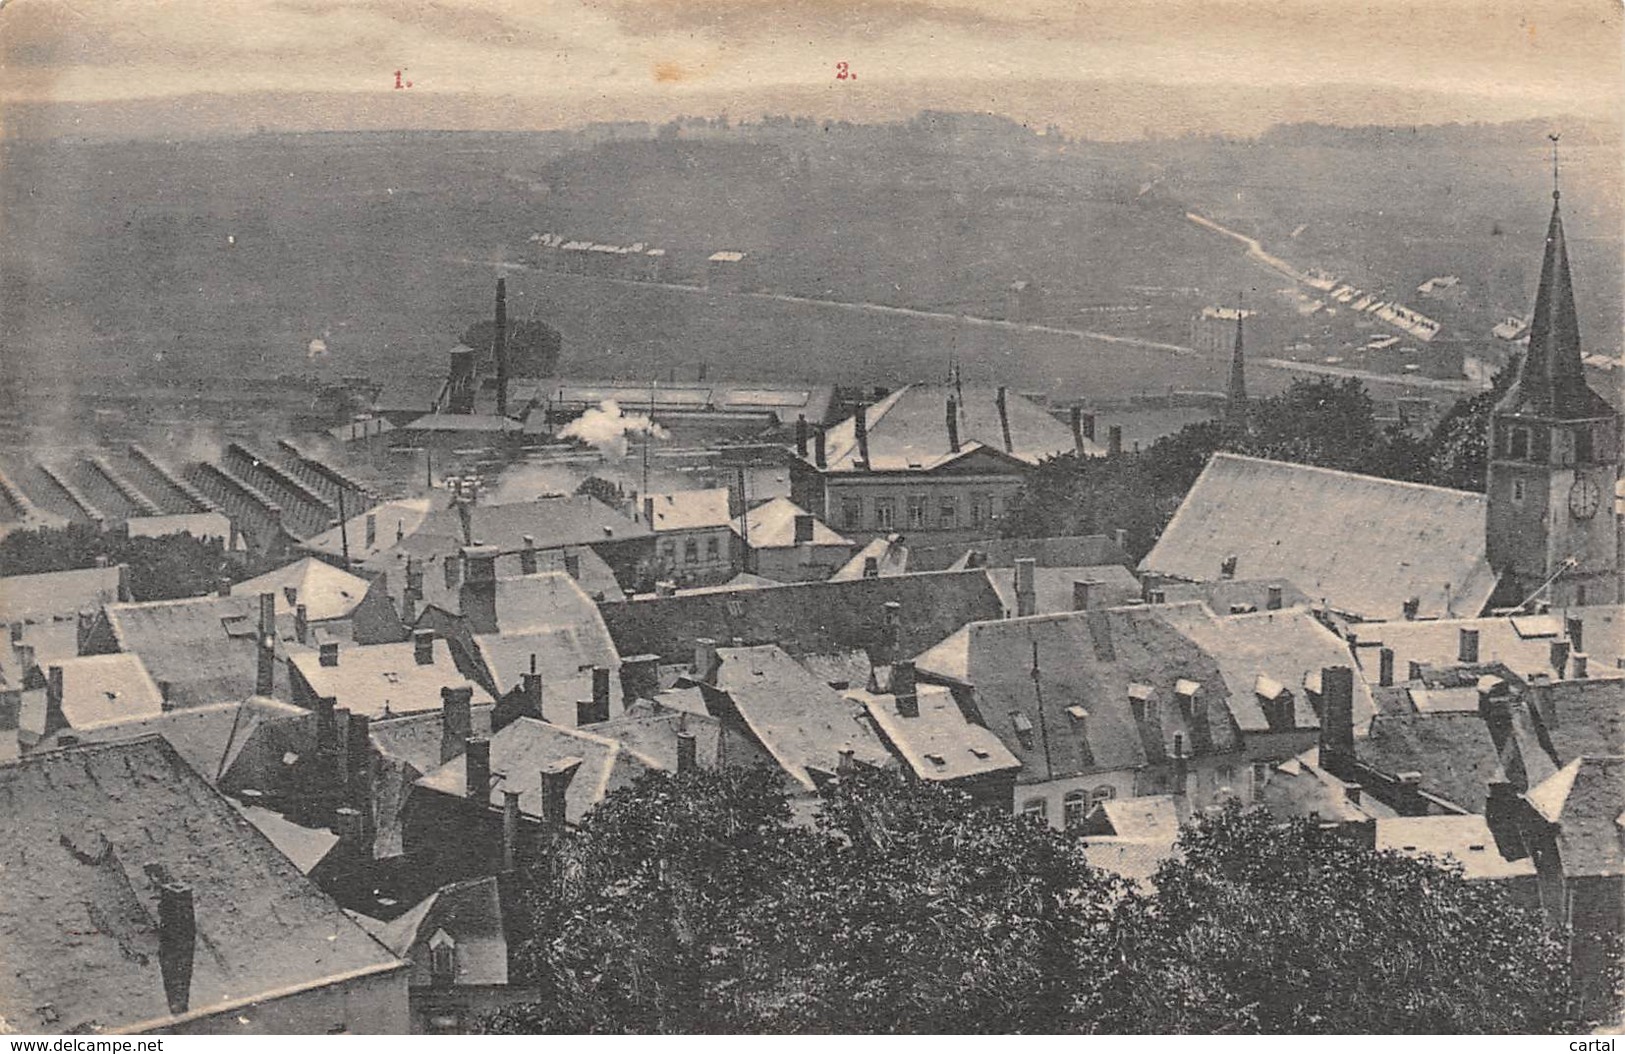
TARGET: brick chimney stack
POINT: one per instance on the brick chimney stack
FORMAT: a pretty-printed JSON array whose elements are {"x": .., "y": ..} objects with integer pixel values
[{"x": 177, "y": 943}]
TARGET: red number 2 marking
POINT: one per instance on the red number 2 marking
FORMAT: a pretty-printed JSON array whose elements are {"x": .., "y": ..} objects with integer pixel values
[{"x": 843, "y": 72}]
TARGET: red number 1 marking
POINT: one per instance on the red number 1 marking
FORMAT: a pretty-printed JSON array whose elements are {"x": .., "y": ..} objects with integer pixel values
[{"x": 398, "y": 83}]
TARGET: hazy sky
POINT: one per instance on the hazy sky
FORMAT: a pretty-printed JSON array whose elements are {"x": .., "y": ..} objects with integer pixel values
[{"x": 1453, "y": 59}]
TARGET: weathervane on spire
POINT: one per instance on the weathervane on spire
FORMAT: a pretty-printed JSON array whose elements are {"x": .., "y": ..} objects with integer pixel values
[{"x": 1554, "y": 137}]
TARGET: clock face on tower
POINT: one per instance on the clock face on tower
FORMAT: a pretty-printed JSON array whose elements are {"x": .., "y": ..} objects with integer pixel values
[{"x": 1585, "y": 497}]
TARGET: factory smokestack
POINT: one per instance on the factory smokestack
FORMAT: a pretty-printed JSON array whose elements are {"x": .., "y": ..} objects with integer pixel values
[{"x": 502, "y": 347}]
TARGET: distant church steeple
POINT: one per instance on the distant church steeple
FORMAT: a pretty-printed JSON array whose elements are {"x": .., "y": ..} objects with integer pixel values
[
  {"x": 1235, "y": 402},
  {"x": 1551, "y": 533}
]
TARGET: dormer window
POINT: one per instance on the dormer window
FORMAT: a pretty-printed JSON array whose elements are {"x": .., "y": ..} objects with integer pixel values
[
  {"x": 442, "y": 958},
  {"x": 1024, "y": 729}
]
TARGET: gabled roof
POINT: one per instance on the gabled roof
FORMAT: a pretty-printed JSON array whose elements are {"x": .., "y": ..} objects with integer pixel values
[
  {"x": 1522, "y": 642},
  {"x": 205, "y": 647},
  {"x": 1299, "y": 788},
  {"x": 403, "y": 517},
  {"x": 908, "y": 429},
  {"x": 802, "y": 722},
  {"x": 1465, "y": 839},
  {"x": 104, "y": 689},
  {"x": 650, "y": 729},
  {"x": 805, "y": 618},
  {"x": 208, "y": 738},
  {"x": 1152, "y": 818},
  {"x": 595, "y": 577},
  {"x": 1586, "y": 799},
  {"x": 1289, "y": 647},
  {"x": 1363, "y": 544},
  {"x": 1088, "y": 662},
  {"x": 890, "y": 555},
  {"x": 416, "y": 740},
  {"x": 87, "y": 826},
  {"x": 687, "y": 510},
  {"x": 57, "y": 594},
  {"x": 519, "y": 752},
  {"x": 772, "y": 525},
  {"x": 371, "y": 679},
  {"x": 324, "y": 590},
  {"x": 1579, "y": 718},
  {"x": 470, "y": 914},
  {"x": 1453, "y": 752},
  {"x": 1053, "y": 587},
  {"x": 937, "y": 743},
  {"x": 555, "y": 522}
]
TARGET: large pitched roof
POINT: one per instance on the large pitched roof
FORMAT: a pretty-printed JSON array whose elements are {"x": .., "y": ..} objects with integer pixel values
[
  {"x": 85, "y": 830},
  {"x": 1551, "y": 381},
  {"x": 104, "y": 689},
  {"x": 205, "y": 647},
  {"x": 1289, "y": 647},
  {"x": 374, "y": 678},
  {"x": 805, "y": 618},
  {"x": 324, "y": 590},
  {"x": 1522, "y": 642},
  {"x": 650, "y": 730},
  {"x": 937, "y": 743},
  {"x": 802, "y": 722},
  {"x": 1087, "y": 664},
  {"x": 1366, "y": 545},
  {"x": 404, "y": 516},
  {"x": 1586, "y": 800},
  {"x": 518, "y": 754},
  {"x": 57, "y": 594},
  {"x": 908, "y": 429},
  {"x": 1453, "y": 752},
  {"x": 772, "y": 525},
  {"x": 1465, "y": 839},
  {"x": 687, "y": 510},
  {"x": 1053, "y": 587},
  {"x": 470, "y": 913},
  {"x": 1578, "y": 718}
]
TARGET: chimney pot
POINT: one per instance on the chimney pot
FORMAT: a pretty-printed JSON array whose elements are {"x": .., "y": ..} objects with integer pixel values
[
  {"x": 687, "y": 752},
  {"x": 804, "y": 528},
  {"x": 705, "y": 659},
  {"x": 510, "y": 830},
  {"x": 1272, "y": 598},
  {"x": 177, "y": 943},
  {"x": 456, "y": 721},
  {"x": 1026, "y": 589},
  {"x": 1560, "y": 657},
  {"x": 1580, "y": 665},
  {"x": 423, "y": 647},
  {"x": 1337, "y": 719},
  {"x": 801, "y": 435},
  {"x": 1082, "y": 594},
  {"x": 1576, "y": 632},
  {"x": 477, "y": 770},
  {"x": 1114, "y": 440},
  {"x": 1385, "y": 667},
  {"x": 640, "y": 676},
  {"x": 556, "y": 779},
  {"x": 819, "y": 458},
  {"x": 328, "y": 653},
  {"x": 871, "y": 567}
]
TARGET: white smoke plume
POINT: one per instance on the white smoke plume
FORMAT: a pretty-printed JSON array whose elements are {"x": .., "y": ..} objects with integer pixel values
[{"x": 605, "y": 428}]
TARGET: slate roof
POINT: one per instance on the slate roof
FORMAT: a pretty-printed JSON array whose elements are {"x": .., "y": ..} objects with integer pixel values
[
  {"x": 406, "y": 515},
  {"x": 416, "y": 740},
  {"x": 205, "y": 647},
  {"x": 908, "y": 428},
  {"x": 305, "y": 847},
  {"x": 83, "y": 829},
  {"x": 1226, "y": 593},
  {"x": 1151, "y": 818},
  {"x": 1299, "y": 788},
  {"x": 327, "y": 592},
  {"x": 772, "y": 525},
  {"x": 805, "y": 618},
  {"x": 208, "y": 738},
  {"x": 1088, "y": 660},
  {"x": 519, "y": 752},
  {"x": 371, "y": 678},
  {"x": 1580, "y": 718},
  {"x": 1052, "y": 587},
  {"x": 1289, "y": 647},
  {"x": 594, "y": 576},
  {"x": 802, "y": 722},
  {"x": 1078, "y": 550},
  {"x": 890, "y": 554},
  {"x": 470, "y": 913},
  {"x": 1465, "y": 839},
  {"x": 1522, "y": 642},
  {"x": 1453, "y": 752},
  {"x": 687, "y": 510},
  {"x": 1586, "y": 799},
  {"x": 938, "y": 743},
  {"x": 1134, "y": 859},
  {"x": 650, "y": 730},
  {"x": 103, "y": 689},
  {"x": 57, "y": 594},
  {"x": 1364, "y": 544}
]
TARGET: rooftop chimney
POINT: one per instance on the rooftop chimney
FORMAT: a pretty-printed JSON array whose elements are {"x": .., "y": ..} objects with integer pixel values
[
  {"x": 1077, "y": 429},
  {"x": 1272, "y": 598},
  {"x": 640, "y": 676},
  {"x": 1114, "y": 440},
  {"x": 301, "y": 624},
  {"x": 1337, "y": 720},
  {"x": 860, "y": 423},
  {"x": 1026, "y": 588},
  {"x": 510, "y": 830},
  {"x": 804, "y": 528},
  {"x": 1082, "y": 594},
  {"x": 456, "y": 721},
  {"x": 477, "y": 769},
  {"x": 1580, "y": 665},
  {"x": 527, "y": 556},
  {"x": 953, "y": 426},
  {"x": 705, "y": 659},
  {"x": 556, "y": 777},
  {"x": 904, "y": 689},
  {"x": 649, "y": 512},
  {"x": 502, "y": 347},
  {"x": 177, "y": 943},
  {"x": 1467, "y": 645},
  {"x": 1576, "y": 632},
  {"x": 1181, "y": 765},
  {"x": 1560, "y": 658},
  {"x": 265, "y": 664},
  {"x": 818, "y": 449},
  {"x": 1412, "y": 608},
  {"x": 1088, "y": 426},
  {"x": 1385, "y": 667},
  {"x": 801, "y": 435},
  {"x": 372, "y": 529},
  {"x": 871, "y": 567},
  {"x": 223, "y": 586},
  {"x": 572, "y": 564},
  {"x": 1001, "y": 400},
  {"x": 327, "y": 653},
  {"x": 423, "y": 647},
  {"x": 687, "y": 752}
]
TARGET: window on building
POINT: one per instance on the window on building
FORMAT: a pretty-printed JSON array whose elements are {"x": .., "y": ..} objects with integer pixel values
[
  {"x": 852, "y": 512},
  {"x": 442, "y": 958},
  {"x": 1518, "y": 443},
  {"x": 668, "y": 551},
  {"x": 1075, "y": 807},
  {"x": 981, "y": 509},
  {"x": 1518, "y": 491},
  {"x": 948, "y": 513},
  {"x": 885, "y": 514},
  {"x": 691, "y": 551},
  {"x": 916, "y": 512},
  {"x": 1104, "y": 792},
  {"x": 1037, "y": 808},
  {"x": 1583, "y": 444},
  {"x": 713, "y": 548}
]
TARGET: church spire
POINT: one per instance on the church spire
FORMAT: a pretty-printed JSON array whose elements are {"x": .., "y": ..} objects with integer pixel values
[
  {"x": 1235, "y": 403},
  {"x": 1551, "y": 382}
]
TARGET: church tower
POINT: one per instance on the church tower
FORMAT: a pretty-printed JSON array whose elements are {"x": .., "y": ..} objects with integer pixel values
[
  {"x": 1235, "y": 399},
  {"x": 1554, "y": 459}
]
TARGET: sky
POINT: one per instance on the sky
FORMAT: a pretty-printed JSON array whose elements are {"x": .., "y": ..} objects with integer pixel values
[{"x": 1131, "y": 65}]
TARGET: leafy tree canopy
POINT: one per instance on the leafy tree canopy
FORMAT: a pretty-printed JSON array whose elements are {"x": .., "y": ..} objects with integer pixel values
[{"x": 166, "y": 568}]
